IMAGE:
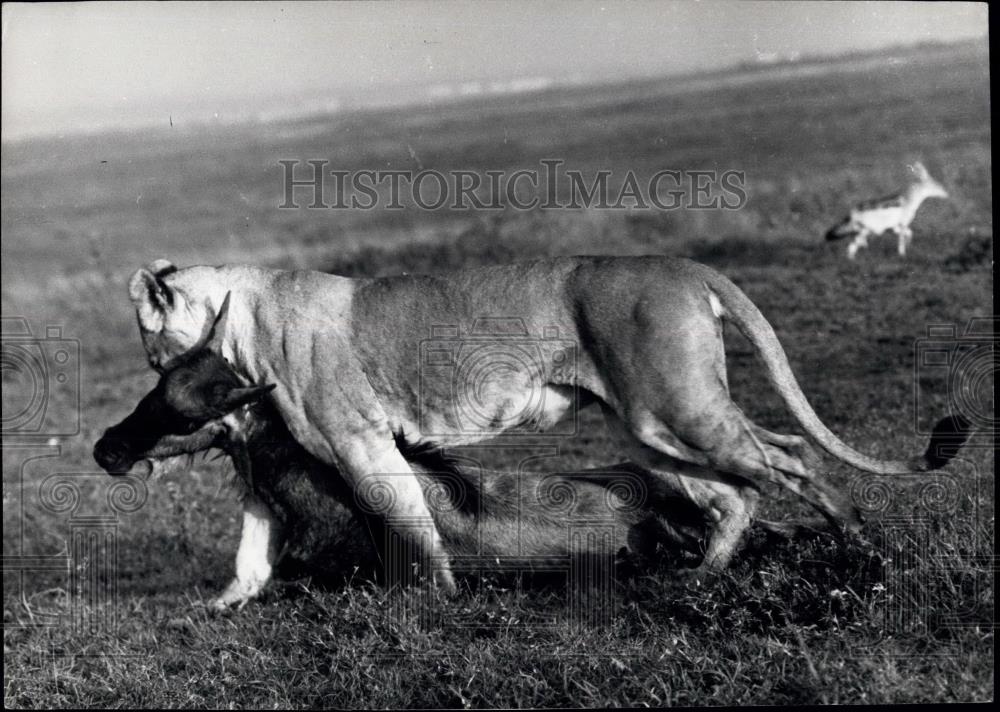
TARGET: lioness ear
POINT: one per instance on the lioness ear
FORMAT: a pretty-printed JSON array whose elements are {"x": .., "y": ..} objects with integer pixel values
[
  {"x": 151, "y": 297},
  {"x": 236, "y": 397},
  {"x": 161, "y": 267}
]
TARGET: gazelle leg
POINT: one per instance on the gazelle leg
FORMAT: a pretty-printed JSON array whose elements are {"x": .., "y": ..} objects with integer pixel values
[
  {"x": 860, "y": 240},
  {"x": 905, "y": 236}
]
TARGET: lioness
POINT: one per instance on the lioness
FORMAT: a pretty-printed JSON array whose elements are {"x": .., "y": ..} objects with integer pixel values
[
  {"x": 529, "y": 520},
  {"x": 643, "y": 339}
]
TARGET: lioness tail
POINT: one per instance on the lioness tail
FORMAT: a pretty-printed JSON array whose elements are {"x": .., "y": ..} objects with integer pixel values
[{"x": 948, "y": 435}]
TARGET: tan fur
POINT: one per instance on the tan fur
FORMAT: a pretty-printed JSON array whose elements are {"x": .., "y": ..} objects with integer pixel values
[{"x": 646, "y": 341}]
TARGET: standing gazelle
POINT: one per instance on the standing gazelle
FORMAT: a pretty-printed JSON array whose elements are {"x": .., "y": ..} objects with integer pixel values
[{"x": 895, "y": 213}]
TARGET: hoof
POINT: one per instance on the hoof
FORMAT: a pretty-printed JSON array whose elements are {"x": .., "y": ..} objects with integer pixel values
[
  {"x": 235, "y": 594},
  {"x": 698, "y": 576},
  {"x": 217, "y": 605},
  {"x": 224, "y": 605},
  {"x": 445, "y": 581}
]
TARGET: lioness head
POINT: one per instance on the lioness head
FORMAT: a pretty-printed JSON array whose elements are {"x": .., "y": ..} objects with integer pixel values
[{"x": 172, "y": 320}]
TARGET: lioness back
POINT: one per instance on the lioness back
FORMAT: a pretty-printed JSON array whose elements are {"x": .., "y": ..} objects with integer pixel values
[{"x": 600, "y": 308}]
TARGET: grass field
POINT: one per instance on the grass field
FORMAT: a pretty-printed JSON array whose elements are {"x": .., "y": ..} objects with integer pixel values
[{"x": 811, "y": 623}]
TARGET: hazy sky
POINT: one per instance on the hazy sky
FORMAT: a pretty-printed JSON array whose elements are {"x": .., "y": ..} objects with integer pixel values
[{"x": 85, "y": 64}]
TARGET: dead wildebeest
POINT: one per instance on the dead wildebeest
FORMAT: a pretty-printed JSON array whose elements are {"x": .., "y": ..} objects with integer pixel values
[{"x": 300, "y": 511}]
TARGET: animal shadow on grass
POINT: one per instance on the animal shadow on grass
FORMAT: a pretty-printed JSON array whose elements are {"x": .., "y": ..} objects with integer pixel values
[{"x": 325, "y": 568}]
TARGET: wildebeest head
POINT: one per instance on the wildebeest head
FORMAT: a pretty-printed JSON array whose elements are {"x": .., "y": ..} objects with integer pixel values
[{"x": 184, "y": 413}]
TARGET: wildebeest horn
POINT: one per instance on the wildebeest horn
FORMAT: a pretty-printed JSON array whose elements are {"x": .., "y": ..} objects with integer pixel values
[
  {"x": 219, "y": 327},
  {"x": 213, "y": 337},
  {"x": 241, "y": 396}
]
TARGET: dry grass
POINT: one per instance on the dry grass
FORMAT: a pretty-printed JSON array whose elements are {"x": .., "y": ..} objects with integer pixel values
[{"x": 786, "y": 625}]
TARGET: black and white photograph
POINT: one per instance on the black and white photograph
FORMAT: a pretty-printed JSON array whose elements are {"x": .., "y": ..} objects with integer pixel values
[{"x": 497, "y": 355}]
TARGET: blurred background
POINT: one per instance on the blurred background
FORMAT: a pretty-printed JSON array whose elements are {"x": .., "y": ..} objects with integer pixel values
[{"x": 77, "y": 67}]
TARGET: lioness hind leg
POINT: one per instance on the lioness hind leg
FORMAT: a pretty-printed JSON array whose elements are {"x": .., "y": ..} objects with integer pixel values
[
  {"x": 731, "y": 514},
  {"x": 702, "y": 425},
  {"x": 796, "y": 445},
  {"x": 809, "y": 483},
  {"x": 727, "y": 502},
  {"x": 732, "y": 443}
]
